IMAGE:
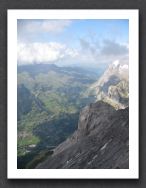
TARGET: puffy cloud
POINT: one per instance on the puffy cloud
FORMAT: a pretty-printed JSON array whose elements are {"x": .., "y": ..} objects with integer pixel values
[
  {"x": 111, "y": 48},
  {"x": 105, "y": 51},
  {"x": 89, "y": 46},
  {"x": 28, "y": 53}
]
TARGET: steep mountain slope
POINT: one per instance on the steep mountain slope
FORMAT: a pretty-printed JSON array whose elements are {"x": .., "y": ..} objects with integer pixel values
[
  {"x": 26, "y": 101},
  {"x": 113, "y": 85},
  {"x": 101, "y": 141}
]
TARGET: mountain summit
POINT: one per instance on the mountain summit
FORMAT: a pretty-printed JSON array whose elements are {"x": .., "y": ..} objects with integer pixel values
[{"x": 113, "y": 85}]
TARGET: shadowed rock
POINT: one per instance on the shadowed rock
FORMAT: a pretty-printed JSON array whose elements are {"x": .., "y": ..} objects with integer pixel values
[{"x": 100, "y": 142}]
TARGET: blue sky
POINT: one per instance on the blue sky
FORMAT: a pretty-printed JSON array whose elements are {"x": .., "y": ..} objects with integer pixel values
[{"x": 72, "y": 41}]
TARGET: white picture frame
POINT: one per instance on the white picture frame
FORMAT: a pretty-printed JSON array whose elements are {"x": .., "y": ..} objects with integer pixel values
[{"x": 133, "y": 171}]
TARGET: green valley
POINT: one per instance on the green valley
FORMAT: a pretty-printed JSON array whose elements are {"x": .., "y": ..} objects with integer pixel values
[{"x": 49, "y": 101}]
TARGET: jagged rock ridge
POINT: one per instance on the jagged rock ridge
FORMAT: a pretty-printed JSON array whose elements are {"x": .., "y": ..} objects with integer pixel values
[
  {"x": 100, "y": 142},
  {"x": 113, "y": 86}
]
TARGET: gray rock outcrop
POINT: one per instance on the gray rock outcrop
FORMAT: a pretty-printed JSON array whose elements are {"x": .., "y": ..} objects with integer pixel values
[{"x": 100, "y": 142}]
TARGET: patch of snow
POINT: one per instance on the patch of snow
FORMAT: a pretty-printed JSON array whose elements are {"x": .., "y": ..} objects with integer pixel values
[
  {"x": 124, "y": 66},
  {"x": 95, "y": 157},
  {"x": 104, "y": 146},
  {"x": 116, "y": 63}
]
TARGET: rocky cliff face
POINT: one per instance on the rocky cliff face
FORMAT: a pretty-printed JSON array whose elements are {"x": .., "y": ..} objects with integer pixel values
[
  {"x": 113, "y": 86},
  {"x": 101, "y": 141}
]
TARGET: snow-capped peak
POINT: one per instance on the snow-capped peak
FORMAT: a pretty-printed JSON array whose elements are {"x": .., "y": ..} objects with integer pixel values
[
  {"x": 116, "y": 63},
  {"x": 125, "y": 66}
]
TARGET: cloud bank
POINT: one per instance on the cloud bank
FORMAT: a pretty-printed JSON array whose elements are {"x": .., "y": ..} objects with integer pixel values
[
  {"x": 112, "y": 48},
  {"x": 29, "y": 53},
  {"x": 53, "y": 52},
  {"x": 70, "y": 42},
  {"x": 105, "y": 51}
]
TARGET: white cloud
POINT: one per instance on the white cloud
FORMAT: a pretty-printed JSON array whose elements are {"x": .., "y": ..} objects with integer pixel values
[
  {"x": 112, "y": 48},
  {"x": 29, "y": 53},
  {"x": 97, "y": 53},
  {"x": 105, "y": 51},
  {"x": 55, "y": 25},
  {"x": 50, "y": 26}
]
